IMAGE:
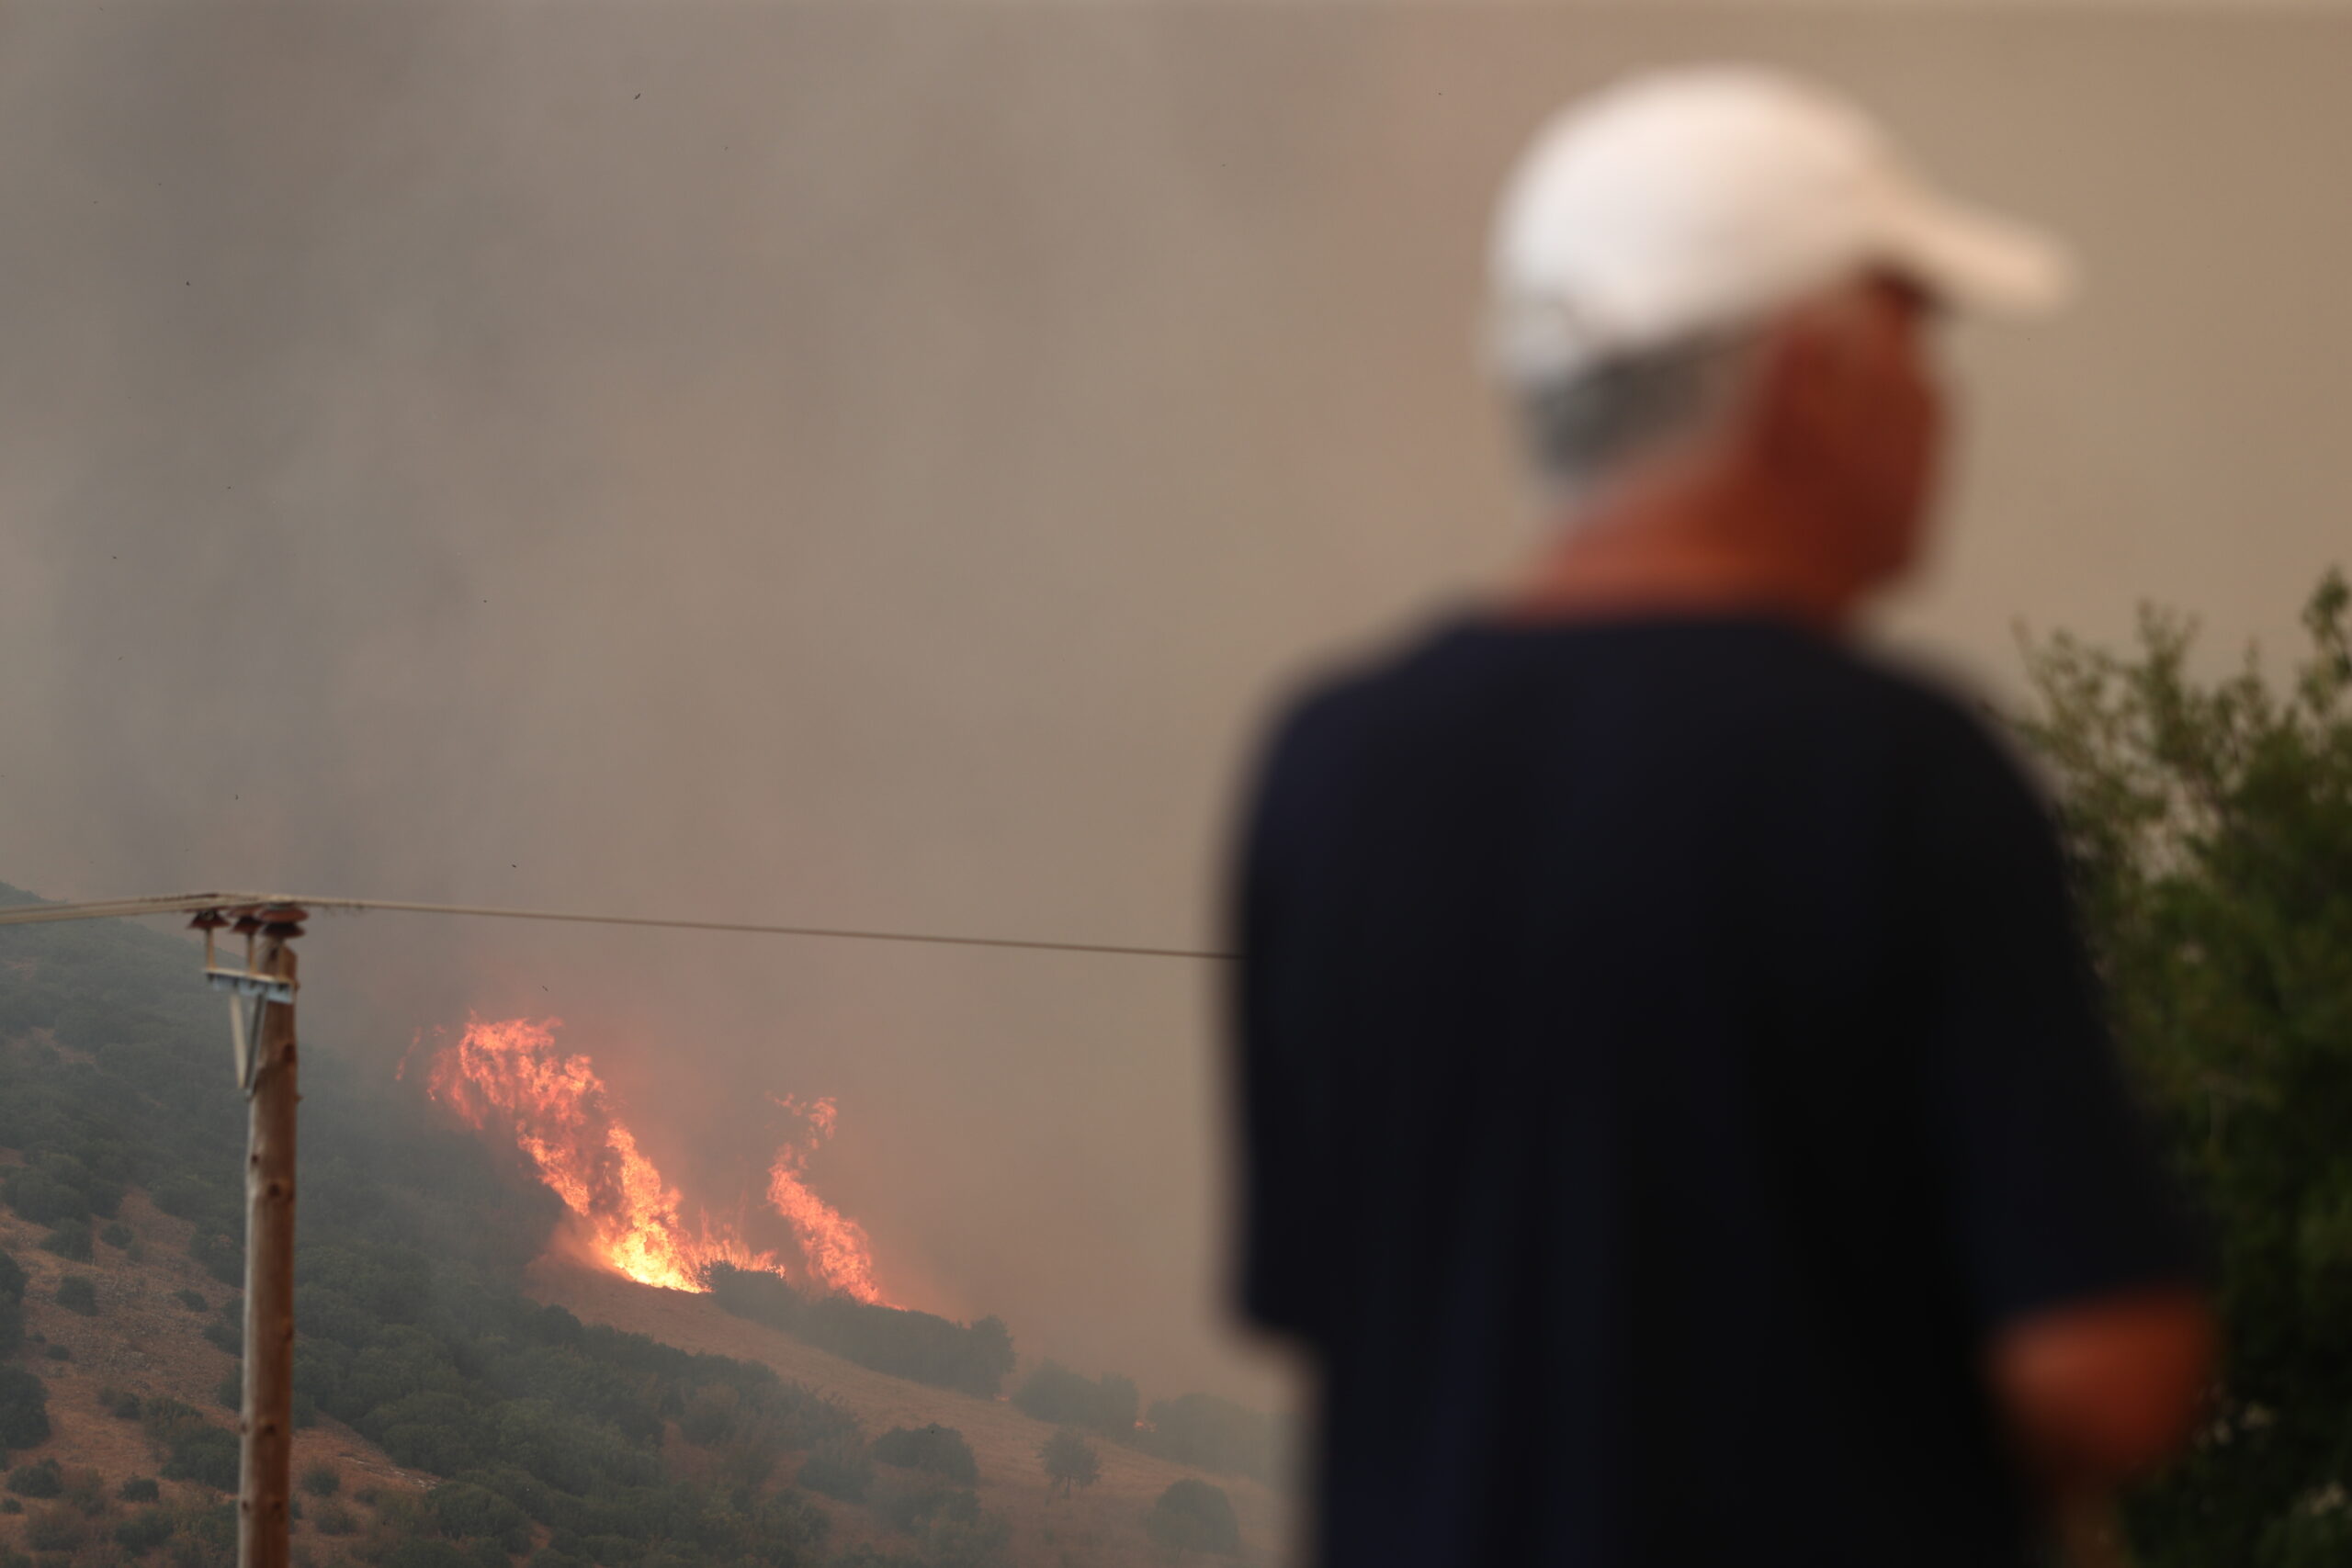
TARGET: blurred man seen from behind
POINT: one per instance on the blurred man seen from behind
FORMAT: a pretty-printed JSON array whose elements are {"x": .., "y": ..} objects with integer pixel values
[{"x": 1675, "y": 1110}]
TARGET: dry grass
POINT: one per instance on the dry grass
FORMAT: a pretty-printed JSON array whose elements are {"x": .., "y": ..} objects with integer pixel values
[
  {"x": 1100, "y": 1528},
  {"x": 143, "y": 1341}
]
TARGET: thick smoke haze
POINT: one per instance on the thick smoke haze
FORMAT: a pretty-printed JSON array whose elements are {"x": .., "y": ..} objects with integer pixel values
[{"x": 872, "y": 466}]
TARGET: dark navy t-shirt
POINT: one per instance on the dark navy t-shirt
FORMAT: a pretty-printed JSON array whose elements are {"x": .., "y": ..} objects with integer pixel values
[{"x": 1667, "y": 1056}]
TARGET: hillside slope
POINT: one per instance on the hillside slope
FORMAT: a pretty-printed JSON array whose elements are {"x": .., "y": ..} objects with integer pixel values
[
  {"x": 1100, "y": 1525},
  {"x": 477, "y": 1414},
  {"x": 145, "y": 1342}
]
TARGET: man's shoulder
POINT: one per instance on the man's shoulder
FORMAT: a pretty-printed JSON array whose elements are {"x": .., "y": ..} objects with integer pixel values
[{"x": 1753, "y": 677}]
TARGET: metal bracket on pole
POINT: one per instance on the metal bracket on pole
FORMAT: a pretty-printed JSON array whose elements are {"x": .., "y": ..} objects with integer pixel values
[
  {"x": 249, "y": 990},
  {"x": 248, "y": 994}
]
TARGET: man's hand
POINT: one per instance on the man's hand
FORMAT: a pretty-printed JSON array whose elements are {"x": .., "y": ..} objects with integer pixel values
[{"x": 2099, "y": 1393}]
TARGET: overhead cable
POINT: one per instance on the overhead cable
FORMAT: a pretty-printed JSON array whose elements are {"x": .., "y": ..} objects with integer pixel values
[{"x": 185, "y": 903}]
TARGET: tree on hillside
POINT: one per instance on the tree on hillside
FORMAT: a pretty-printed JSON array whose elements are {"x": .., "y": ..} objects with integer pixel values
[
  {"x": 1054, "y": 1393},
  {"x": 1193, "y": 1516},
  {"x": 1211, "y": 1433},
  {"x": 936, "y": 1450},
  {"x": 1070, "y": 1460},
  {"x": 2209, "y": 827},
  {"x": 24, "y": 1410}
]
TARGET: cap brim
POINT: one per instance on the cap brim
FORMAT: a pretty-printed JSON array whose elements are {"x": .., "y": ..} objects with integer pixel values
[{"x": 1978, "y": 261}]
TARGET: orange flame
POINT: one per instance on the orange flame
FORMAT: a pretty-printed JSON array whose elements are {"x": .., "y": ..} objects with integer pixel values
[
  {"x": 562, "y": 1118},
  {"x": 834, "y": 1245}
]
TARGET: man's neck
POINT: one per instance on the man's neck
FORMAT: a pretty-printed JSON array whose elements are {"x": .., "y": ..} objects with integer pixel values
[{"x": 1693, "y": 551}]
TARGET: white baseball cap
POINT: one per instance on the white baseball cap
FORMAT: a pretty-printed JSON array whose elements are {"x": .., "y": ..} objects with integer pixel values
[{"x": 1687, "y": 200}]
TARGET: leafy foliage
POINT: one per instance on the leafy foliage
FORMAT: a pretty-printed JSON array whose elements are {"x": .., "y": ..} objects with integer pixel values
[
  {"x": 1193, "y": 1516},
  {"x": 839, "y": 1469},
  {"x": 143, "y": 1532},
  {"x": 77, "y": 1292},
  {"x": 1203, "y": 1430},
  {"x": 12, "y": 1310},
  {"x": 2209, "y": 824},
  {"x": 23, "y": 1409},
  {"x": 1053, "y": 1392},
  {"x": 933, "y": 1449},
  {"x": 974, "y": 1358},
  {"x": 1069, "y": 1460},
  {"x": 42, "y": 1480},
  {"x": 70, "y": 1239}
]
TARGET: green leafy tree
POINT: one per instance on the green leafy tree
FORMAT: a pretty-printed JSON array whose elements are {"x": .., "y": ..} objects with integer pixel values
[
  {"x": 842, "y": 1470},
  {"x": 2209, "y": 820},
  {"x": 1069, "y": 1460},
  {"x": 76, "y": 1292},
  {"x": 1054, "y": 1393},
  {"x": 1193, "y": 1516},
  {"x": 23, "y": 1409},
  {"x": 933, "y": 1448}
]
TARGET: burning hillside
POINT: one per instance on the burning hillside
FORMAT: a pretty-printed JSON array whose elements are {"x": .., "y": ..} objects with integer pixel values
[{"x": 511, "y": 1078}]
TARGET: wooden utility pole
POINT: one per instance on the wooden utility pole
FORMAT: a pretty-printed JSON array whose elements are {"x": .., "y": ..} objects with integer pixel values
[{"x": 266, "y": 1068}]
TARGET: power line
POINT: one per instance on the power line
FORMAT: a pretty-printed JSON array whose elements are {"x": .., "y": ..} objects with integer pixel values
[{"x": 187, "y": 902}]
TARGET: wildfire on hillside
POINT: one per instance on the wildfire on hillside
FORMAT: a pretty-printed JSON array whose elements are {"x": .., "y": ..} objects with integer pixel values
[{"x": 511, "y": 1076}]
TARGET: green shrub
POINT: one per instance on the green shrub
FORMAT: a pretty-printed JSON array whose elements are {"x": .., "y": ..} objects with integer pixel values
[
  {"x": 933, "y": 1449},
  {"x": 70, "y": 1239},
  {"x": 462, "y": 1510},
  {"x": 1070, "y": 1459},
  {"x": 192, "y": 1300},
  {"x": 124, "y": 1406},
  {"x": 1210, "y": 1433},
  {"x": 1193, "y": 1516},
  {"x": 839, "y": 1469},
  {"x": 55, "y": 1528},
  {"x": 709, "y": 1417},
  {"x": 323, "y": 1481},
  {"x": 143, "y": 1532},
  {"x": 12, "y": 1325},
  {"x": 184, "y": 1198},
  {"x": 117, "y": 1234},
  {"x": 87, "y": 1490},
  {"x": 220, "y": 1254},
  {"x": 230, "y": 1392},
  {"x": 207, "y": 1539},
  {"x": 40, "y": 1480},
  {"x": 208, "y": 1457},
  {"x": 57, "y": 1351},
  {"x": 1056, "y": 1394},
  {"x": 11, "y": 1506},
  {"x": 41, "y": 1199},
  {"x": 11, "y": 1278},
  {"x": 424, "y": 1552},
  {"x": 139, "y": 1489},
  {"x": 914, "y": 1509},
  {"x": 23, "y": 1409},
  {"x": 229, "y": 1337},
  {"x": 334, "y": 1518},
  {"x": 76, "y": 1293}
]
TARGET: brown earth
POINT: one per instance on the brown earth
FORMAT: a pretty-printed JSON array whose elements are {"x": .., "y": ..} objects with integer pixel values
[
  {"x": 145, "y": 1341},
  {"x": 1101, "y": 1527}
]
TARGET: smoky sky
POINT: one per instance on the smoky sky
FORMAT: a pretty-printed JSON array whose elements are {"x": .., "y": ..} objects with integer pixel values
[{"x": 873, "y": 466}]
